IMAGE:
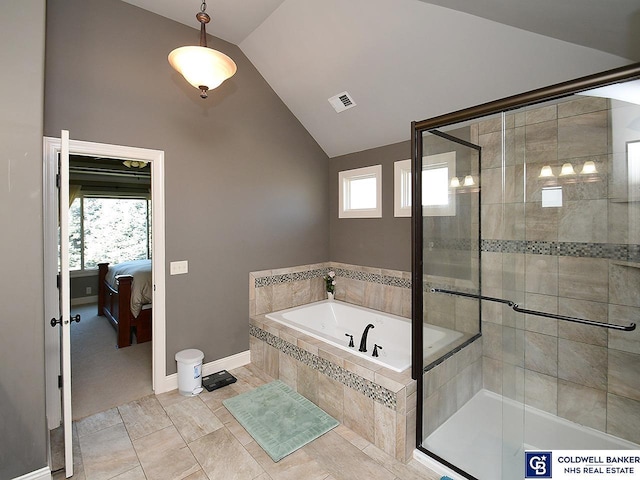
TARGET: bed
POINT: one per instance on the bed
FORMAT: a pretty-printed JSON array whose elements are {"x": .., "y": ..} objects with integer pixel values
[{"x": 124, "y": 296}]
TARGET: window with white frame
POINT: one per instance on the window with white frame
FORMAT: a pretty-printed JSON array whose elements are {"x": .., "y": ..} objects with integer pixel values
[
  {"x": 360, "y": 192},
  {"x": 402, "y": 188},
  {"x": 108, "y": 229},
  {"x": 438, "y": 197}
]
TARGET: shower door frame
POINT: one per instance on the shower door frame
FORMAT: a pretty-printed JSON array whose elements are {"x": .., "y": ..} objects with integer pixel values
[{"x": 418, "y": 129}]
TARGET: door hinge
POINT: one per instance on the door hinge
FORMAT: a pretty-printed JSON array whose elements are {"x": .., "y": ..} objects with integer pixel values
[
  {"x": 58, "y": 281},
  {"x": 59, "y": 381},
  {"x": 58, "y": 180}
]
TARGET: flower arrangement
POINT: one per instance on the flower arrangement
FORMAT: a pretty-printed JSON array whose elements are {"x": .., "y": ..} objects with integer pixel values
[{"x": 330, "y": 281}]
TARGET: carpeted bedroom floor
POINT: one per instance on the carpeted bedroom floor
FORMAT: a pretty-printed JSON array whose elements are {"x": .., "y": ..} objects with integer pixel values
[{"x": 103, "y": 376}]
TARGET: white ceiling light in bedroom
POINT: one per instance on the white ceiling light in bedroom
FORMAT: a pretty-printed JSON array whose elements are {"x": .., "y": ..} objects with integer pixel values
[
  {"x": 135, "y": 163},
  {"x": 203, "y": 67}
]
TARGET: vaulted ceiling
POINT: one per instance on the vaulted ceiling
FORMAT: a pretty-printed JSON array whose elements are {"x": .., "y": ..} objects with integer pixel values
[{"x": 404, "y": 60}]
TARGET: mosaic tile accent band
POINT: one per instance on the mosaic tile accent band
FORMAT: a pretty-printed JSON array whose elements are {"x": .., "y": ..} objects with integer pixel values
[
  {"x": 290, "y": 277},
  {"x": 368, "y": 388},
  {"x": 463, "y": 244},
  {"x": 374, "y": 278},
  {"x": 611, "y": 251},
  {"x": 340, "y": 272}
]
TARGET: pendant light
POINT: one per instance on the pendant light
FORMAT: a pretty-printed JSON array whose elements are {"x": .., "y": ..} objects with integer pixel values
[{"x": 203, "y": 67}]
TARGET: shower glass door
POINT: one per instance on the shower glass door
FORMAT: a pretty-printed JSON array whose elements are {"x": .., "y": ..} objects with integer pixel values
[
  {"x": 449, "y": 208},
  {"x": 537, "y": 279},
  {"x": 570, "y": 250}
]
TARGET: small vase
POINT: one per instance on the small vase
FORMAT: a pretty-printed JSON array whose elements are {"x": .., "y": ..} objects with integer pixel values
[{"x": 330, "y": 296}]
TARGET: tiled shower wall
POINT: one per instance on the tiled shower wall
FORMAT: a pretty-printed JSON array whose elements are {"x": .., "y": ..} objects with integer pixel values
[
  {"x": 581, "y": 260},
  {"x": 377, "y": 403}
]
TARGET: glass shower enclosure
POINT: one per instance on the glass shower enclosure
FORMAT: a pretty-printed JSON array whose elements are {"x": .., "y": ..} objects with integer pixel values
[{"x": 526, "y": 241}]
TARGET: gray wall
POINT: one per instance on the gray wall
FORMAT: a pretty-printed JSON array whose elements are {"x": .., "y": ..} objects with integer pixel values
[
  {"x": 79, "y": 286},
  {"x": 23, "y": 446},
  {"x": 375, "y": 242},
  {"x": 246, "y": 185}
]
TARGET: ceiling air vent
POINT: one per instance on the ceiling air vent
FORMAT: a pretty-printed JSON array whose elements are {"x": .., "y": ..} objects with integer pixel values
[{"x": 342, "y": 102}]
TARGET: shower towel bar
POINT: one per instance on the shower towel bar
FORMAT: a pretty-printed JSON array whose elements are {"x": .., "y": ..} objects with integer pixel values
[{"x": 517, "y": 308}]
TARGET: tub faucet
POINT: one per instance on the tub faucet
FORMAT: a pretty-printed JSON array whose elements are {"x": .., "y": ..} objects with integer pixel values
[
  {"x": 350, "y": 339},
  {"x": 363, "y": 340}
]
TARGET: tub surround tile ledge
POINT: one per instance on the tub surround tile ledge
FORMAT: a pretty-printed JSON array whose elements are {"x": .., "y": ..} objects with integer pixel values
[
  {"x": 370, "y": 389},
  {"x": 340, "y": 379}
]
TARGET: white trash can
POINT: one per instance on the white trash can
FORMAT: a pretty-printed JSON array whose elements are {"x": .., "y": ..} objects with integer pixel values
[{"x": 189, "y": 372}]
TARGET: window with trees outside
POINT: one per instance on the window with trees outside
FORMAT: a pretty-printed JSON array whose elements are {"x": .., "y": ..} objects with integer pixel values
[{"x": 108, "y": 229}]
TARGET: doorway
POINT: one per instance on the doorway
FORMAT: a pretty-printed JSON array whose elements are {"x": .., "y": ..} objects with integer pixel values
[
  {"x": 52, "y": 341},
  {"x": 109, "y": 223}
]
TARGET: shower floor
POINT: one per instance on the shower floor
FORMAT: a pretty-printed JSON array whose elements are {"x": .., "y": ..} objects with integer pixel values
[{"x": 472, "y": 439}]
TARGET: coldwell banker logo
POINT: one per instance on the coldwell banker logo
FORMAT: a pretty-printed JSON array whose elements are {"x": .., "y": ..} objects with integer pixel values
[{"x": 537, "y": 464}]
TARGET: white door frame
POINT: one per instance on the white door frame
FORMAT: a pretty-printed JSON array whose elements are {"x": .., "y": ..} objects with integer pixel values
[{"x": 50, "y": 218}]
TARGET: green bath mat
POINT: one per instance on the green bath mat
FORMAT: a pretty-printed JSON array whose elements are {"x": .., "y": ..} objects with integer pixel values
[{"x": 279, "y": 419}]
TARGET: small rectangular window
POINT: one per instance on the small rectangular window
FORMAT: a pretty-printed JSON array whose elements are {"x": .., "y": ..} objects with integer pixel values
[
  {"x": 402, "y": 188},
  {"x": 360, "y": 192},
  {"x": 438, "y": 195}
]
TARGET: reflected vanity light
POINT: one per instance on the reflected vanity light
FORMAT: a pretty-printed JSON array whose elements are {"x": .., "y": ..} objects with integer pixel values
[
  {"x": 546, "y": 172},
  {"x": 468, "y": 181},
  {"x": 567, "y": 169},
  {"x": 567, "y": 172},
  {"x": 588, "y": 168},
  {"x": 468, "y": 184}
]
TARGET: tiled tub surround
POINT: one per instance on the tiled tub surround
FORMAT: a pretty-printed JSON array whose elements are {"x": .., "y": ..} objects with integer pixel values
[
  {"x": 578, "y": 260},
  {"x": 375, "y": 402},
  {"x": 379, "y": 289}
]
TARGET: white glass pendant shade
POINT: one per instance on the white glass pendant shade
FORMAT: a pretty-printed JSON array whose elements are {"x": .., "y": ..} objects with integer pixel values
[
  {"x": 469, "y": 181},
  {"x": 455, "y": 182},
  {"x": 546, "y": 172},
  {"x": 589, "y": 167},
  {"x": 567, "y": 169},
  {"x": 202, "y": 66}
]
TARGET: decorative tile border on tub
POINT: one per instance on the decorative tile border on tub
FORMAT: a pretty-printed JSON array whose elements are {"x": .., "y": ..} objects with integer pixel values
[
  {"x": 373, "y": 278},
  {"x": 290, "y": 277},
  {"x": 368, "y": 388},
  {"x": 389, "y": 280}
]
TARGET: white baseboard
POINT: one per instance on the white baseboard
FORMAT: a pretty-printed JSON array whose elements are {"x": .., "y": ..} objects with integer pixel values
[
  {"x": 227, "y": 363},
  {"x": 43, "y": 474},
  {"x": 84, "y": 300}
]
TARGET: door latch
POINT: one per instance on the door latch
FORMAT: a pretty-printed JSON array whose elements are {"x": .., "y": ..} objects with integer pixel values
[{"x": 56, "y": 321}]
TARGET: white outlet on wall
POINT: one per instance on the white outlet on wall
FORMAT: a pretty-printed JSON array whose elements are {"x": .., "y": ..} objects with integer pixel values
[{"x": 88, "y": 291}]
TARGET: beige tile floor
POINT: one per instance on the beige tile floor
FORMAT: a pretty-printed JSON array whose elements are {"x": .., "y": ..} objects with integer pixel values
[{"x": 174, "y": 437}]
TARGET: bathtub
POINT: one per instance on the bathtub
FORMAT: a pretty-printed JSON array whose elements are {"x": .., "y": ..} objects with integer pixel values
[{"x": 332, "y": 321}]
